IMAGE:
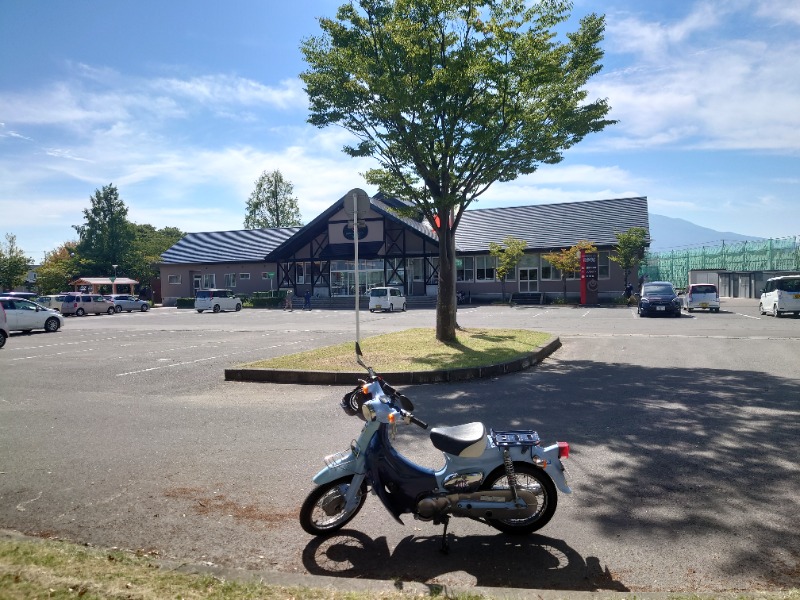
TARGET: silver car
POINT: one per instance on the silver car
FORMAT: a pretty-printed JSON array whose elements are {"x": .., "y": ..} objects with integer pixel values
[
  {"x": 80, "y": 304},
  {"x": 24, "y": 315},
  {"x": 127, "y": 302}
]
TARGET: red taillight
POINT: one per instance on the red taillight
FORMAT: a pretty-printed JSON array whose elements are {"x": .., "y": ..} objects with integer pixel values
[{"x": 563, "y": 449}]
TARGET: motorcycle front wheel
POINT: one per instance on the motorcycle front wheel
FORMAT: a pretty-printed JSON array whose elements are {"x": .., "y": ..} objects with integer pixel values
[
  {"x": 531, "y": 479},
  {"x": 323, "y": 511}
]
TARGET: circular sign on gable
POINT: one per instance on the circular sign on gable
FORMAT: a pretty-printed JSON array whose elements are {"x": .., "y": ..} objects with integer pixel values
[{"x": 347, "y": 231}]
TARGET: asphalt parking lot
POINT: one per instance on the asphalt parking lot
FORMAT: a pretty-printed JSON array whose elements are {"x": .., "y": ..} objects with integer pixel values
[{"x": 121, "y": 431}]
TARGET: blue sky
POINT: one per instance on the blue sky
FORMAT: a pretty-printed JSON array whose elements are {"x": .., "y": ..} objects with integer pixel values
[{"x": 183, "y": 104}]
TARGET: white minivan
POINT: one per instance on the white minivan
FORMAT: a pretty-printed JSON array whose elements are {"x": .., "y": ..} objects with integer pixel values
[
  {"x": 701, "y": 295},
  {"x": 781, "y": 295},
  {"x": 216, "y": 300},
  {"x": 386, "y": 298}
]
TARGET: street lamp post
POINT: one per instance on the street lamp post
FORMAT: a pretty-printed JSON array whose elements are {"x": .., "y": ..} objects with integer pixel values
[{"x": 114, "y": 280}]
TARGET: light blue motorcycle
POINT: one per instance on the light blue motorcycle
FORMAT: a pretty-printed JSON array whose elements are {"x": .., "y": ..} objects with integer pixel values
[{"x": 505, "y": 479}]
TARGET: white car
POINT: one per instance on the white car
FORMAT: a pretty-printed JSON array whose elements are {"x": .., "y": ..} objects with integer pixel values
[
  {"x": 386, "y": 298},
  {"x": 216, "y": 300},
  {"x": 24, "y": 315},
  {"x": 781, "y": 295},
  {"x": 701, "y": 295},
  {"x": 3, "y": 326}
]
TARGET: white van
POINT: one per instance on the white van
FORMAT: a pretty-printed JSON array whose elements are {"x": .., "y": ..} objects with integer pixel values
[
  {"x": 781, "y": 295},
  {"x": 701, "y": 295},
  {"x": 216, "y": 300},
  {"x": 386, "y": 298}
]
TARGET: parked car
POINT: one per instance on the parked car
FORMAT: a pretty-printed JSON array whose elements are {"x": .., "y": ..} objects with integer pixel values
[
  {"x": 24, "y": 315},
  {"x": 26, "y": 295},
  {"x": 80, "y": 304},
  {"x": 53, "y": 301},
  {"x": 701, "y": 295},
  {"x": 3, "y": 327},
  {"x": 127, "y": 302},
  {"x": 659, "y": 298},
  {"x": 386, "y": 298},
  {"x": 781, "y": 295},
  {"x": 216, "y": 300}
]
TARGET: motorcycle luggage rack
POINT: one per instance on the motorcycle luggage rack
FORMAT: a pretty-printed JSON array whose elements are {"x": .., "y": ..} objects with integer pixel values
[{"x": 507, "y": 439}]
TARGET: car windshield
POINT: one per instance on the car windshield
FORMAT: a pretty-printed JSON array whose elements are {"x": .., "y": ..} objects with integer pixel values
[{"x": 658, "y": 289}]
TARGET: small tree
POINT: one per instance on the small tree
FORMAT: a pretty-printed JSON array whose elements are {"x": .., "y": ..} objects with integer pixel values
[
  {"x": 57, "y": 269},
  {"x": 271, "y": 204},
  {"x": 568, "y": 260},
  {"x": 508, "y": 256},
  {"x": 629, "y": 250},
  {"x": 14, "y": 264}
]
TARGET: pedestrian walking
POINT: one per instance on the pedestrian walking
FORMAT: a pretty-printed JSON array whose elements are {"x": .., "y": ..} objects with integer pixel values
[
  {"x": 307, "y": 300},
  {"x": 287, "y": 302}
]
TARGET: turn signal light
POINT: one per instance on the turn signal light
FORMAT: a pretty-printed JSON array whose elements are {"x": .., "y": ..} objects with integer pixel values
[{"x": 563, "y": 449}]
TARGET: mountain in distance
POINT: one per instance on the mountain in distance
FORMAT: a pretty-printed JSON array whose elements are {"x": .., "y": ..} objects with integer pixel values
[{"x": 669, "y": 233}]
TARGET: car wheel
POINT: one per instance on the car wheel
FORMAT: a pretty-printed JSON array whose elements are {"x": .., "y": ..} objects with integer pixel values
[
  {"x": 145, "y": 307},
  {"x": 775, "y": 312},
  {"x": 80, "y": 312},
  {"x": 404, "y": 307},
  {"x": 118, "y": 308},
  {"x": 111, "y": 310},
  {"x": 761, "y": 309},
  {"x": 238, "y": 307},
  {"x": 217, "y": 308},
  {"x": 51, "y": 325},
  {"x": 2, "y": 338},
  {"x": 199, "y": 310},
  {"x": 391, "y": 308},
  {"x": 372, "y": 310},
  {"x": 689, "y": 310}
]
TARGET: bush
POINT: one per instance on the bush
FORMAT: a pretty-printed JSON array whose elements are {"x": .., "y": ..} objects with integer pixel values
[{"x": 185, "y": 303}]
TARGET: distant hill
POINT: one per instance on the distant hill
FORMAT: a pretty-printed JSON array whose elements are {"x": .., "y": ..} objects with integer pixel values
[{"x": 669, "y": 233}]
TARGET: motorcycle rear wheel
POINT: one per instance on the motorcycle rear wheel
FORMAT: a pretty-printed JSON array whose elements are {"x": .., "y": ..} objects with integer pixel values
[
  {"x": 532, "y": 479},
  {"x": 323, "y": 511}
]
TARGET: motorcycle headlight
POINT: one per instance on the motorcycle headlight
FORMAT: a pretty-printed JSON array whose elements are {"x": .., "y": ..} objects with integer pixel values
[{"x": 368, "y": 411}]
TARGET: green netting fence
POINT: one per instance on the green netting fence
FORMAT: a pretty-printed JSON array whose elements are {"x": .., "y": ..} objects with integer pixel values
[{"x": 781, "y": 254}]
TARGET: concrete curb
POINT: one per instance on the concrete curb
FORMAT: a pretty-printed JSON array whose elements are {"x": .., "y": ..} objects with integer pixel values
[{"x": 398, "y": 378}]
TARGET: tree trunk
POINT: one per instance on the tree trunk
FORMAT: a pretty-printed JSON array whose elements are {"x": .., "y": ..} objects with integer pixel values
[{"x": 446, "y": 298}]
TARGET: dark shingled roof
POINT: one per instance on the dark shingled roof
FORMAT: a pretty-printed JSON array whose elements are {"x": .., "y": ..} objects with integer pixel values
[
  {"x": 243, "y": 245},
  {"x": 552, "y": 226}
]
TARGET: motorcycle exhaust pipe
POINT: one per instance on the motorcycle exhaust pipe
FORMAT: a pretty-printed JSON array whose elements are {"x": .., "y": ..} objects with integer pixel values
[{"x": 494, "y": 504}]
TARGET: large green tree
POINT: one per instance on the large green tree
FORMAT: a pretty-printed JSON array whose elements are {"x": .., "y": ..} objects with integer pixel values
[
  {"x": 629, "y": 250},
  {"x": 14, "y": 264},
  {"x": 148, "y": 245},
  {"x": 106, "y": 237},
  {"x": 271, "y": 204},
  {"x": 451, "y": 96}
]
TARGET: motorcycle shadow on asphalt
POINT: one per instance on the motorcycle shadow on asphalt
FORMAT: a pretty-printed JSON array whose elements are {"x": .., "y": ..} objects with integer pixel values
[{"x": 530, "y": 562}]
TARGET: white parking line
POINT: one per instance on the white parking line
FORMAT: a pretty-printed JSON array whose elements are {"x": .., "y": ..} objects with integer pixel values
[{"x": 748, "y": 316}]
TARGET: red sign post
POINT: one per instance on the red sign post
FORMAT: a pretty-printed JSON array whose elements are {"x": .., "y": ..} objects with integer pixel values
[{"x": 588, "y": 277}]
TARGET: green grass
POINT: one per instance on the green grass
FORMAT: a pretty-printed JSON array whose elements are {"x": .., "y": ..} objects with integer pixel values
[{"x": 415, "y": 350}]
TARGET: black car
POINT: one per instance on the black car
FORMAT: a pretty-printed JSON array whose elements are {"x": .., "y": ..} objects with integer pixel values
[{"x": 659, "y": 298}]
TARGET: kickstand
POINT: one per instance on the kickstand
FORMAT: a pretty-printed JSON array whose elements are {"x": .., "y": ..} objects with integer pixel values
[{"x": 445, "y": 549}]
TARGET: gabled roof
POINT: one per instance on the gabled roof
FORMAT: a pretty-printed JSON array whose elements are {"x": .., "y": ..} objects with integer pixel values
[
  {"x": 242, "y": 245},
  {"x": 312, "y": 230},
  {"x": 552, "y": 226}
]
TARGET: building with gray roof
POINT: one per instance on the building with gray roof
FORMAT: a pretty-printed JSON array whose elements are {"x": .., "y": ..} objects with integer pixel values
[{"x": 399, "y": 250}]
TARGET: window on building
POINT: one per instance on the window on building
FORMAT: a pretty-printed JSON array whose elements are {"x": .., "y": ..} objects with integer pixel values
[
  {"x": 300, "y": 273},
  {"x": 244, "y": 275},
  {"x": 484, "y": 268},
  {"x": 604, "y": 265},
  {"x": 174, "y": 280},
  {"x": 230, "y": 280},
  {"x": 465, "y": 268},
  {"x": 549, "y": 272},
  {"x": 209, "y": 280}
]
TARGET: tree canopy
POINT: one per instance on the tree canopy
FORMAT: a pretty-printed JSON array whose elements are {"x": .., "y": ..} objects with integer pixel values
[
  {"x": 106, "y": 236},
  {"x": 450, "y": 96},
  {"x": 630, "y": 248},
  {"x": 508, "y": 254},
  {"x": 271, "y": 204},
  {"x": 568, "y": 260},
  {"x": 14, "y": 264}
]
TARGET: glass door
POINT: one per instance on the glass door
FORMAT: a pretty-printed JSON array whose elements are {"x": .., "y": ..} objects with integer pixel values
[{"x": 528, "y": 280}]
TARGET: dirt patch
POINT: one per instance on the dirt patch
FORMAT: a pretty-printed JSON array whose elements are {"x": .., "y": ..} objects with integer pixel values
[{"x": 207, "y": 503}]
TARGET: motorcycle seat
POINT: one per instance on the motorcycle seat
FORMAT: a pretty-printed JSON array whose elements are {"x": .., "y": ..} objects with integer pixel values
[{"x": 468, "y": 440}]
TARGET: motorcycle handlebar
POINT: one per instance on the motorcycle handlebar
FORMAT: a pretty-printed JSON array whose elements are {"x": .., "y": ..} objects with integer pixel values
[{"x": 417, "y": 422}]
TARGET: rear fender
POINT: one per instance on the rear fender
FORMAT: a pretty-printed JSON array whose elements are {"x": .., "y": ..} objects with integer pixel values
[{"x": 554, "y": 467}]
